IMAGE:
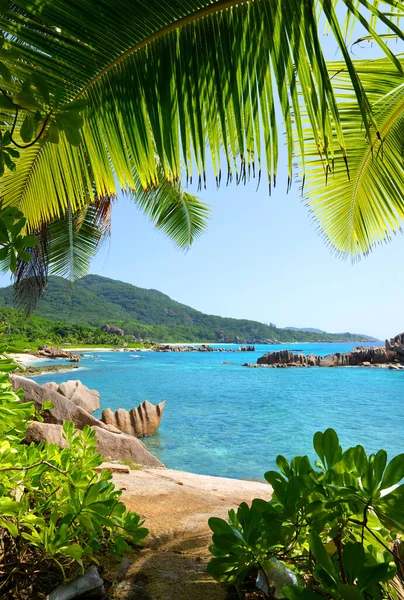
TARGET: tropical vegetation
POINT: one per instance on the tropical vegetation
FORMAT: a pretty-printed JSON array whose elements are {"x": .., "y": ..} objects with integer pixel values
[
  {"x": 331, "y": 530},
  {"x": 76, "y": 315},
  {"x": 177, "y": 86},
  {"x": 56, "y": 511}
]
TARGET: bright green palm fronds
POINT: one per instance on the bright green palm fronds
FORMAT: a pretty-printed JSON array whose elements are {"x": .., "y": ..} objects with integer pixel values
[
  {"x": 355, "y": 215},
  {"x": 172, "y": 83},
  {"x": 181, "y": 216},
  {"x": 66, "y": 248}
]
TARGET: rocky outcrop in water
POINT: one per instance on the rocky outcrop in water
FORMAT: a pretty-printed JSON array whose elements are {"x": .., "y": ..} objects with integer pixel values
[
  {"x": 201, "y": 348},
  {"x": 54, "y": 352},
  {"x": 286, "y": 357},
  {"x": 142, "y": 421},
  {"x": 34, "y": 370},
  {"x": 362, "y": 355},
  {"x": 396, "y": 344}
]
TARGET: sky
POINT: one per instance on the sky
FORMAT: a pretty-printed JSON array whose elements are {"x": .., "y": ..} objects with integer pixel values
[{"x": 260, "y": 258}]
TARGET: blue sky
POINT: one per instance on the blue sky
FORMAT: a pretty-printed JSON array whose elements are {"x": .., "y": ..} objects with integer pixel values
[{"x": 261, "y": 259}]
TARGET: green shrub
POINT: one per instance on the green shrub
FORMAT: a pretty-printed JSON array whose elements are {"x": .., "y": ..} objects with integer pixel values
[
  {"x": 334, "y": 526},
  {"x": 55, "y": 510}
]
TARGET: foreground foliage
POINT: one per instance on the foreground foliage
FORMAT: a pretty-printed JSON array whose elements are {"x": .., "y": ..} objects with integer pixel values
[
  {"x": 56, "y": 512},
  {"x": 178, "y": 83},
  {"x": 337, "y": 526}
]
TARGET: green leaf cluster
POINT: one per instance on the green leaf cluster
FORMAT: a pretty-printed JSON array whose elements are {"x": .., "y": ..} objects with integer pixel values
[
  {"x": 14, "y": 242},
  {"x": 334, "y": 524},
  {"x": 54, "y": 507}
]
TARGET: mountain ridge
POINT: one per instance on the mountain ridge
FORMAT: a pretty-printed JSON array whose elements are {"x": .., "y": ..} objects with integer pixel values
[{"x": 96, "y": 301}]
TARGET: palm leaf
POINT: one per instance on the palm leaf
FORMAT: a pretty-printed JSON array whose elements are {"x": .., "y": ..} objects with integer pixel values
[
  {"x": 171, "y": 83},
  {"x": 355, "y": 215},
  {"x": 68, "y": 245},
  {"x": 181, "y": 216},
  {"x": 66, "y": 248}
]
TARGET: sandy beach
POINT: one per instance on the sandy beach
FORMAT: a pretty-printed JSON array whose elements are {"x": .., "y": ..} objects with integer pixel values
[{"x": 26, "y": 359}]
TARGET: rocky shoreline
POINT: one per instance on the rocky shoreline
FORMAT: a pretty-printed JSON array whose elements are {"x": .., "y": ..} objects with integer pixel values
[
  {"x": 390, "y": 356},
  {"x": 74, "y": 402},
  {"x": 33, "y": 371},
  {"x": 201, "y": 348}
]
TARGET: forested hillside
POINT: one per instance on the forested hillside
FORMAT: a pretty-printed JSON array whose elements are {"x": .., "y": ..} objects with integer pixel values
[{"x": 95, "y": 301}]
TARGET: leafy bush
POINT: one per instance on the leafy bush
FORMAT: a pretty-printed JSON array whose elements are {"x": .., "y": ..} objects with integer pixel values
[
  {"x": 55, "y": 510},
  {"x": 337, "y": 527}
]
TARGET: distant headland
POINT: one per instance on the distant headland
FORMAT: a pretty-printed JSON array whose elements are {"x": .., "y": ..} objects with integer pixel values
[{"x": 97, "y": 310}]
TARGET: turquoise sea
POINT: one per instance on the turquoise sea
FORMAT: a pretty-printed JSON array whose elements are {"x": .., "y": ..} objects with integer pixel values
[{"x": 232, "y": 421}]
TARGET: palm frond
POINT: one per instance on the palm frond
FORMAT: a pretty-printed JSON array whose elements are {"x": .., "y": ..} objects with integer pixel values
[
  {"x": 172, "y": 83},
  {"x": 181, "y": 216},
  {"x": 66, "y": 248},
  {"x": 355, "y": 215}
]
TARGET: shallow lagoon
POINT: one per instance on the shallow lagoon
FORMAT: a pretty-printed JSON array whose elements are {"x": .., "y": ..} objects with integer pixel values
[{"x": 232, "y": 421}]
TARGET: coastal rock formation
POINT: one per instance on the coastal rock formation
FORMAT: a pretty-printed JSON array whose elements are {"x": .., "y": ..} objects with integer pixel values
[
  {"x": 111, "y": 443},
  {"x": 396, "y": 344},
  {"x": 63, "y": 408},
  {"x": 45, "y": 432},
  {"x": 124, "y": 447},
  {"x": 80, "y": 395},
  {"x": 53, "y": 352},
  {"x": 286, "y": 357},
  {"x": 142, "y": 421},
  {"x": 201, "y": 348},
  {"x": 362, "y": 355},
  {"x": 114, "y": 330}
]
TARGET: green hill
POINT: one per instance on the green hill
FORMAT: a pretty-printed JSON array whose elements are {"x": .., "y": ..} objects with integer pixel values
[{"x": 95, "y": 301}]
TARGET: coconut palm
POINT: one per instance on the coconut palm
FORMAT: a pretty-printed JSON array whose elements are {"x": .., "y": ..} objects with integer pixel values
[{"x": 166, "y": 86}]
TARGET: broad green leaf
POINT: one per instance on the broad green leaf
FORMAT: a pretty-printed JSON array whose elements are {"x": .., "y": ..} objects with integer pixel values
[
  {"x": 379, "y": 464},
  {"x": 318, "y": 444},
  {"x": 76, "y": 105},
  {"x": 331, "y": 447},
  {"x": 5, "y": 71},
  {"x": 41, "y": 85},
  {"x": 349, "y": 592},
  {"x": 360, "y": 459},
  {"x": 283, "y": 465},
  {"x": 26, "y": 99},
  {"x": 374, "y": 574},
  {"x": 353, "y": 557},
  {"x": 30, "y": 241},
  {"x": 27, "y": 129},
  {"x": 74, "y": 551},
  {"x": 321, "y": 555},
  {"x": 394, "y": 472},
  {"x": 52, "y": 134},
  {"x": 297, "y": 592}
]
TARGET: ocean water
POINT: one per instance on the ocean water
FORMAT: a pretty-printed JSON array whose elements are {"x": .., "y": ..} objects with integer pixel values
[{"x": 232, "y": 421}]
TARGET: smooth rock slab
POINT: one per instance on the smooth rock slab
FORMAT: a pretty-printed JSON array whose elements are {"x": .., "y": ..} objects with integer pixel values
[
  {"x": 110, "y": 445},
  {"x": 80, "y": 394},
  {"x": 176, "y": 507},
  {"x": 63, "y": 410}
]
